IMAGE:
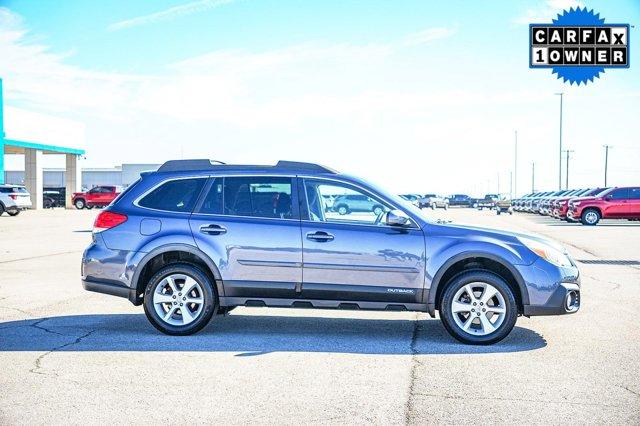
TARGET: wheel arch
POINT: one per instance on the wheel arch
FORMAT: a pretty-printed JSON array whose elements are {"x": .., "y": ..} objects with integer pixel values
[
  {"x": 172, "y": 253},
  {"x": 467, "y": 261}
]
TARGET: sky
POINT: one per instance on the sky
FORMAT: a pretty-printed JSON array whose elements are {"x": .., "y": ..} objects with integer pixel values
[{"x": 418, "y": 96}]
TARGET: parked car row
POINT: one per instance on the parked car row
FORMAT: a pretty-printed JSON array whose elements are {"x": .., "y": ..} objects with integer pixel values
[{"x": 586, "y": 205}]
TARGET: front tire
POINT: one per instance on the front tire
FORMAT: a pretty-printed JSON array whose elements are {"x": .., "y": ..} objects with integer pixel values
[
  {"x": 343, "y": 210},
  {"x": 590, "y": 217},
  {"x": 79, "y": 203},
  {"x": 180, "y": 299},
  {"x": 478, "y": 308}
]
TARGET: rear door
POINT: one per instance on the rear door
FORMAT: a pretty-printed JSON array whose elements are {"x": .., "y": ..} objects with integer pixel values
[
  {"x": 355, "y": 256},
  {"x": 633, "y": 205},
  {"x": 250, "y": 227}
]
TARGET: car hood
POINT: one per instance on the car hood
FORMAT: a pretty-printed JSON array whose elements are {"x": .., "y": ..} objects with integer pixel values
[
  {"x": 508, "y": 237},
  {"x": 585, "y": 199}
]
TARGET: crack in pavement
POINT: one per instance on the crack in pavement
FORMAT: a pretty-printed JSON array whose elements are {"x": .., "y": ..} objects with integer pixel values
[
  {"x": 38, "y": 361},
  {"x": 413, "y": 371},
  {"x": 41, "y": 256},
  {"x": 630, "y": 390},
  {"x": 497, "y": 398},
  {"x": 39, "y": 327}
]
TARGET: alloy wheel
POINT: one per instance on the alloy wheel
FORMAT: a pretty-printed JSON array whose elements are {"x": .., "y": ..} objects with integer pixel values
[
  {"x": 178, "y": 299},
  {"x": 478, "y": 308},
  {"x": 591, "y": 217}
]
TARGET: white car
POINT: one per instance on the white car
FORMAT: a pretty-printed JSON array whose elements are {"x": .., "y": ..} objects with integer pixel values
[{"x": 13, "y": 199}]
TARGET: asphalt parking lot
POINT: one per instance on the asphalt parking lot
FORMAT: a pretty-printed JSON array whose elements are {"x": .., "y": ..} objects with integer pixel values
[{"x": 69, "y": 356}]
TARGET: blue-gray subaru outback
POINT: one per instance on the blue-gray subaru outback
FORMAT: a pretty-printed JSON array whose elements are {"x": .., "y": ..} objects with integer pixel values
[{"x": 197, "y": 238}]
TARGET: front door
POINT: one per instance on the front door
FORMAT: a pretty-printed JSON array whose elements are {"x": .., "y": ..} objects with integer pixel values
[
  {"x": 354, "y": 255},
  {"x": 250, "y": 228},
  {"x": 615, "y": 204},
  {"x": 633, "y": 204}
]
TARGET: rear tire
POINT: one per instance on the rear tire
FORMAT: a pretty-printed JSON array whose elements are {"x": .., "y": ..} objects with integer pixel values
[
  {"x": 475, "y": 324},
  {"x": 164, "y": 299},
  {"x": 590, "y": 217},
  {"x": 1, "y": 209},
  {"x": 13, "y": 212}
]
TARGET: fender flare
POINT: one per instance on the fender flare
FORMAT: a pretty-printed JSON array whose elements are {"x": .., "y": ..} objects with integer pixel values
[
  {"x": 178, "y": 247},
  {"x": 437, "y": 278}
]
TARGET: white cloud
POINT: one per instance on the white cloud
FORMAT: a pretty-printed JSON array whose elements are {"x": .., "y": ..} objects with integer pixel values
[
  {"x": 428, "y": 35},
  {"x": 547, "y": 12},
  {"x": 169, "y": 14}
]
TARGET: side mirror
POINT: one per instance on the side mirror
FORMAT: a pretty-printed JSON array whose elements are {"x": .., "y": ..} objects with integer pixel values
[{"x": 396, "y": 218}]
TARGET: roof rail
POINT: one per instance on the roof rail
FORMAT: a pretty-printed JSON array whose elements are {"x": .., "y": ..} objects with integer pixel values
[{"x": 203, "y": 164}]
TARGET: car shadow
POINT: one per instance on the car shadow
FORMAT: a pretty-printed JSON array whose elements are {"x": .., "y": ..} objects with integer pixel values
[{"x": 248, "y": 335}]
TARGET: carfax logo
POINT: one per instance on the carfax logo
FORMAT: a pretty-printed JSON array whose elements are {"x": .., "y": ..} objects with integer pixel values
[{"x": 578, "y": 46}]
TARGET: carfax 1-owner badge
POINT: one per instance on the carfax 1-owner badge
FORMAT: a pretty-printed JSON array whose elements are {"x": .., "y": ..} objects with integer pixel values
[{"x": 578, "y": 46}]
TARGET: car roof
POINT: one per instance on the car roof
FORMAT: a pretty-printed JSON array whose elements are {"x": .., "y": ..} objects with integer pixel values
[{"x": 204, "y": 165}]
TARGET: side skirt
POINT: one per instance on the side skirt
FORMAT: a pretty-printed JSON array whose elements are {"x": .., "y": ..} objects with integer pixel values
[{"x": 321, "y": 304}]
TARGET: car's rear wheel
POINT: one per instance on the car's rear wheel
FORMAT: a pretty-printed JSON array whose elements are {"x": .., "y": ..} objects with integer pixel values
[
  {"x": 180, "y": 299},
  {"x": 590, "y": 217},
  {"x": 79, "y": 203},
  {"x": 1, "y": 209},
  {"x": 478, "y": 307},
  {"x": 14, "y": 212}
]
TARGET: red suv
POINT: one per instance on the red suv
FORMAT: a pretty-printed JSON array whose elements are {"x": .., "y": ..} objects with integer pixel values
[
  {"x": 615, "y": 203},
  {"x": 98, "y": 196}
]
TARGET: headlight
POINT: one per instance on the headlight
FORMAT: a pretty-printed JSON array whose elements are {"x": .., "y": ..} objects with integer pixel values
[
  {"x": 575, "y": 203},
  {"x": 548, "y": 253}
]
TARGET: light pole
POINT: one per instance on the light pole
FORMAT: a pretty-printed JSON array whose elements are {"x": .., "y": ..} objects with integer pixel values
[
  {"x": 560, "y": 151},
  {"x": 533, "y": 177},
  {"x": 515, "y": 167},
  {"x": 568, "y": 151},
  {"x": 606, "y": 162}
]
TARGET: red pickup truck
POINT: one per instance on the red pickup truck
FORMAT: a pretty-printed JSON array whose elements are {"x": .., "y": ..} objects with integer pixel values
[
  {"x": 98, "y": 196},
  {"x": 616, "y": 203}
]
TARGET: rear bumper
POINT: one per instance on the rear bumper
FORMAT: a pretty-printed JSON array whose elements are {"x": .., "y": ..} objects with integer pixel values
[{"x": 110, "y": 288}]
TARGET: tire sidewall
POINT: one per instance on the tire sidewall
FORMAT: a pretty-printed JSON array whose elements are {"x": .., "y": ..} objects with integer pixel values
[
  {"x": 79, "y": 204},
  {"x": 478, "y": 276},
  {"x": 210, "y": 299}
]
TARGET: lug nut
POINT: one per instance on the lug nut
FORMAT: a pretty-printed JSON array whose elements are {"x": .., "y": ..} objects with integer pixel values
[
  {"x": 175, "y": 303},
  {"x": 174, "y": 296},
  {"x": 473, "y": 310},
  {"x": 483, "y": 309},
  {"x": 184, "y": 298},
  {"x": 181, "y": 305},
  {"x": 478, "y": 314},
  {"x": 474, "y": 303}
]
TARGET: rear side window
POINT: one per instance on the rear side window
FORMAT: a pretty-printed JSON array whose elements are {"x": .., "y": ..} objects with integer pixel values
[
  {"x": 634, "y": 193},
  {"x": 262, "y": 196},
  {"x": 178, "y": 195}
]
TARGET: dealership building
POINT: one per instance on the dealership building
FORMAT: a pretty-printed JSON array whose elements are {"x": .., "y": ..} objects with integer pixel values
[{"x": 123, "y": 175}]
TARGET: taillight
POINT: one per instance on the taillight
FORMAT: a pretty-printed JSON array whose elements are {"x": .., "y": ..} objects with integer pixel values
[
  {"x": 107, "y": 220},
  {"x": 13, "y": 196}
]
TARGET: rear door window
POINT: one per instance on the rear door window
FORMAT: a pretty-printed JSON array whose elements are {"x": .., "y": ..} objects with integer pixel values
[
  {"x": 178, "y": 195},
  {"x": 259, "y": 196},
  {"x": 634, "y": 193}
]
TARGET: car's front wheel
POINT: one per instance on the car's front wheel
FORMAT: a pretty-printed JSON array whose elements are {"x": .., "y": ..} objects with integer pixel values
[
  {"x": 79, "y": 203},
  {"x": 478, "y": 307},
  {"x": 180, "y": 299},
  {"x": 590, "y": 217}
]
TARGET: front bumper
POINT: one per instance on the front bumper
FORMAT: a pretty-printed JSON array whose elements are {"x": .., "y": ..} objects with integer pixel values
[
  {"x": 565, "y": 300},
  {"x": 552, "y": 290}
]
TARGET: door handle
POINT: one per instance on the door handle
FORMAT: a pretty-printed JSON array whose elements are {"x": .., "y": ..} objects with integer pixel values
[
  {"x": 213, "y": 229},
  {"x": 320, "y": 236}
]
